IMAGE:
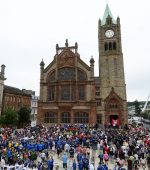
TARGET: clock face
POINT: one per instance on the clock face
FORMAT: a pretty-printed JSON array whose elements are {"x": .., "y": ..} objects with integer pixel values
[{"x": 109, "y": 33}]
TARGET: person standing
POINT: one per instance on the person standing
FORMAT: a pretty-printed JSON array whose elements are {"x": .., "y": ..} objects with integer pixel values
[
  {"x": 148, "y": 161},
  {"x": 101, "y": 157},
  {"x": 102, "y": 167},
  {"x": 91, "y": 167},
  {"x": 106, "y": 157},
  {"x": 80, "y": 165},
  {"x": 50, "y": 163},
  {"x": 3, "y": 162},
  {"x": 74, "y": 165},
  {"x": 64, "y": 159}
]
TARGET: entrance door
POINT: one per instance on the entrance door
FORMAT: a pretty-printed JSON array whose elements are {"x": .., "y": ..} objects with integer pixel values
[{"x": 114, "y": 120}]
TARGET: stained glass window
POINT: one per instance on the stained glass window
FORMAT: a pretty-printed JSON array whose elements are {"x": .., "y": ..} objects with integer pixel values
[
  {"x": 65, "y": 92},
  {"x": 81, "y": 90},
  {"x": 68, "y": 92},
  {"x": 81, "y": 75},
  {"x": 66, "y": 74},
  {"x": 51, "y": 93}
]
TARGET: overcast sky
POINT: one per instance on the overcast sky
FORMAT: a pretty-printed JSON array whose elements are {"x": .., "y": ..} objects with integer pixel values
[{"x": 30, "y": 30}]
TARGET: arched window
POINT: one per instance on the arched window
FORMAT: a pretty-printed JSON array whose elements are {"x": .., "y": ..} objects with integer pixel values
[
  {"x": 81, "y": 90},
  {"x": 67, "y": 92},
  {"x": 106, "y": 46},
  {"x": 81, "y": 75},
  {"x": 50, "y": 117},
  {"x": 114, "y": 46},
  {"x": 113, "y": 104},
  {"x": 66, "y": 74},
  {"x": 65, "y": 117},
  {"x": 81, "y": 117},
  {"x": 51, "y": 93},
  {"x": 110, "y": 45}
]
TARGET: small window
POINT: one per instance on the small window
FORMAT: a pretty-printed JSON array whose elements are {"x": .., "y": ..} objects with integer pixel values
[
  {"x": 98, "y": 102},
  {"x": 97, "y": 88},
  {"x": 106, "y": 46},
  {"x": 97, "y": 93},
  {"x": 114, "y": 45},
  {"x": 65, "y": 117},
  {"x": 110, "y": 46},
  {"x": 99, "y": 118}
]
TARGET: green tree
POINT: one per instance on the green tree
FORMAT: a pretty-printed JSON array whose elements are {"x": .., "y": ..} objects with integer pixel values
[
  {"x": 137, "y": 107},
  {"x": 24, "y": 116},
  {"x": 146, "y": 115},
  {"x": 9, "y": 117}
]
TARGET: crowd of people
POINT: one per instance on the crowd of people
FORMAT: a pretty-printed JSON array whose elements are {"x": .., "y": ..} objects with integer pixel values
[{"x": 77, "y": 147}]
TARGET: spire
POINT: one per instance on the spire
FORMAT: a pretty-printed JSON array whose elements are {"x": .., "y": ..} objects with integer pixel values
[
  {"x": 42, "y": 63},
  {"x": 107, "y": 14}
]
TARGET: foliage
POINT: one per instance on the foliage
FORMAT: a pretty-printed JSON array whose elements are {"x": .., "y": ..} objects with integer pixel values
[
  {"x": 137, "y": 107},
  {"x": 24, "y": 115},
  {"x": 146, "y": 115},
  {"x": 9, "y": 117}
]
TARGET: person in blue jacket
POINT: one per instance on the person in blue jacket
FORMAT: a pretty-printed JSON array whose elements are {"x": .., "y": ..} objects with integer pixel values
[
  {"x": 79, "y": 157},
  {"x": 85, "y": 163},
  {"x": 74, "y": 165},
  {"x": 80, "y": 165},
  {"x": 102, "y": 167},
  {"x": 64, "y": 159},
  {"x": 50, "y": 163}
]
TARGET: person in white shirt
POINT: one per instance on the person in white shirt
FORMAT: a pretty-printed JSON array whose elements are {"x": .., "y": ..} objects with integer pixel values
[
  {"x": 17, "y": 166},
  {"x": 91, "y": 167},
  {"x": 2, "y": 162},
  {"x": 43, "y": 156}
]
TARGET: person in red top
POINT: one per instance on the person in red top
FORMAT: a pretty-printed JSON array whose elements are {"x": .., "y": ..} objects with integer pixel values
[{"x": 107, "y": 149}]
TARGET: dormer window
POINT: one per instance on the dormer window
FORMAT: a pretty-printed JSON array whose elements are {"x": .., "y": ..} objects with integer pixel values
[{"x": 109, "y": 20}]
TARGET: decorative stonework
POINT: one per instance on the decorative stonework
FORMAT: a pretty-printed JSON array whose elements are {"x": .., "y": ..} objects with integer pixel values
[{"x": 66, "y": 59}]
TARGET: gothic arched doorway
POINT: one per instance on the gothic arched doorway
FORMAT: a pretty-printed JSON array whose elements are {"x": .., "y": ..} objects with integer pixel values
[{"x": 114, "y": 120}]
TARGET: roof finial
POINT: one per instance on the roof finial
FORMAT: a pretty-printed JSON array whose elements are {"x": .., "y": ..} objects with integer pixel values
[{"x": 66, "y": 43}]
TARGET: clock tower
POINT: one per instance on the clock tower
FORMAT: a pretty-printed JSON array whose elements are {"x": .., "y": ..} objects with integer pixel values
[{"x": 111, "y": 70}]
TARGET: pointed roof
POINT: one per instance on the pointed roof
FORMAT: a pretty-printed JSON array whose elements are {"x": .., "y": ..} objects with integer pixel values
[{"x": 106, "y": 14}]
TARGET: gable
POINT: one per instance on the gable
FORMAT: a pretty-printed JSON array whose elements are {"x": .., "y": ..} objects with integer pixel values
[{"x": 66, "y": 59}]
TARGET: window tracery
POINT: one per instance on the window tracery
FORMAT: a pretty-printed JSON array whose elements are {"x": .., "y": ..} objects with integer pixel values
[
  {"x": 66, "y": 74},
  {"x": 51, "y": 93},
  {"x": 51, "y": 77}
]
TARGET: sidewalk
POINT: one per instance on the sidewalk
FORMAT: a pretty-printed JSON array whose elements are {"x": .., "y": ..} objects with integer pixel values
[{"x": 58, "y": 162}]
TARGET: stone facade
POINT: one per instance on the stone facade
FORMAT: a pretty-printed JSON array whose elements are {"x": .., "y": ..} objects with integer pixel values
[{"x": 69, "y": 92}]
